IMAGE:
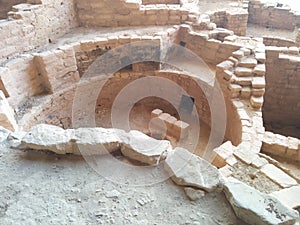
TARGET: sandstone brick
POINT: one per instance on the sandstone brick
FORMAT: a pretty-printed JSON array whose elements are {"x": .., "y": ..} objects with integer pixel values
[{"x": 278, "y": 176}]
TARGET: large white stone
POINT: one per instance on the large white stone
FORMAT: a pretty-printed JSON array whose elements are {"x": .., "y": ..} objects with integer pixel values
[
  {"x": 255, "y": 207},
  {"x": 4, "y": 133},
  {"x": 145, "y": 149},
  {"x": 289, "y": 196},
  {"x": 48, "y": 137},
  {"x": 97, "y": 141},
  {"x": 187, "y": 169}
]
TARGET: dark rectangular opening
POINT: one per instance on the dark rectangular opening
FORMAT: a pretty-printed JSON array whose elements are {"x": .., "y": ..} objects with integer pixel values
[{"x": 187, "y": 103}]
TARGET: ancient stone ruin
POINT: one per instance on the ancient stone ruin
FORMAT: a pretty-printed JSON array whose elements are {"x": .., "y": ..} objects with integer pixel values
[{"x": 149, "y": 112}]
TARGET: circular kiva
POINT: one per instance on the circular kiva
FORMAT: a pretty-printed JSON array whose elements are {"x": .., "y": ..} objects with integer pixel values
[{"x": 103, "y": 68}]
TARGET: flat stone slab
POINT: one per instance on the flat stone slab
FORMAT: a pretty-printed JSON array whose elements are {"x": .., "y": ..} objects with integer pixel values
[
  {"x": 187, "y": 169},
  {"x": 243, "y": 72},
  {"x": 289, "y": 196},
  {"x": 248, "y": 62},
  {"x": 48, "y": 137},
  {"x": 97, "y": 141},
  {"x": 278, "y": 176},
  {"x": 254, "y": 207},
  {"x": 145, "y": 149}
]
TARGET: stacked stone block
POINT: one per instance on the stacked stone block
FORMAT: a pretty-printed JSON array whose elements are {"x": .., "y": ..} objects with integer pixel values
[{"x": 168, "y": 126}]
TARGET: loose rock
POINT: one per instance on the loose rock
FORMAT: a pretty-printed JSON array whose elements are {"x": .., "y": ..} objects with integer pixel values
[
  {"x": 255, "y": 207},
  {"x": 190, "y": 170}
]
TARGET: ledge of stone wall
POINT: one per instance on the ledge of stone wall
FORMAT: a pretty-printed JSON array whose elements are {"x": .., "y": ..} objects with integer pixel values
[
  {"x": 30, "y": 26},
  {"x": 92, "y": 13},
  {"x": 279, "y": 42},
  {"x": 269, "y": 15},
  {"x": 231, "y": 19},
  {"x": 279, "y": 145}
]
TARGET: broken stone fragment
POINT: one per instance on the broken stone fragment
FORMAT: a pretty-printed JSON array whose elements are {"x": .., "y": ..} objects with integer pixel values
[
  {"x": 194, "y": 194},
  {"x": 289, "y": 196},
  {"x": 4, "y": 133},
  {"x": 187, "y": 169},
  {"x": 7, "y": 119},
  {"x": 145, "y": 149},
  {"x": 48, "y": 137},
  {"x": 254, "y": 207},
  {"x": 97, "y": 141}
]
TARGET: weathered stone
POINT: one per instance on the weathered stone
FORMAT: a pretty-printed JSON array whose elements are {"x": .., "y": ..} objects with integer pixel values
[
  {"x": 245, "y": 155},
  {"x": 258, "y": 82},
  {"x": 254, "y": 207},
  {"x": 226, "y": 171},
  {"x": 194, "y": 194},
  {"x": 7, "y": 119},
  {"x": 256, "y": 102},
  {"x": 243, "y": 72},
  {"x": 248, "y": 62},
  {"x": 4, "y": 133},
  {"x": 260, "y": 70},
  {"x": 222, "y": 154},
  {"x": 278, "y": 176},
  {"x": 190, "y": 170},
  {"x": 15, "y": 139},
  {"x": 289, "y": 196},
  {"x": 145, "y": 149},
  {"x": 97, "y": 141},
  {"x": 259, "y": 162},
  {"x": 156, "y": 112},
  {"x": 261, "y": 57},
  {"x": 48, "y": 137}
]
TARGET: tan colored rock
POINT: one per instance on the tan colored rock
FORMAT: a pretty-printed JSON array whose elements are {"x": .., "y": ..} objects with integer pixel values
[
  {"x": 194, "y": 194},
  {"x": 248, "y": 62},
  {"x": 7, "y": 119},
  {"x": 97, "y": 141},
  {"x": 258, "y": 82},
  {"x": 278, "y": 176},
  {"x": 256, "y": 102},
  {"x": 156, "y": 113},
  {"x": 243, "y": 72},
  {"x": 245, "y": 155},
  {"x": 190, "y": 170},
  {"x": 48, "y": 137},
  {"x": 145, "y": 149},
  {"x": 260, "y": 70}
]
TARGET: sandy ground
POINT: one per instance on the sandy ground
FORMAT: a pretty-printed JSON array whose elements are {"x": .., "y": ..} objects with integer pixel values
[{"x": 42, "y": 188}]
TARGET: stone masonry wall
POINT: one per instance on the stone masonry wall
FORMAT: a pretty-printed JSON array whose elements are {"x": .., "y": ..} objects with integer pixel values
[
  {"x": 235, "y": 20},
  {"x": 281, "y": 107},
  {"x": 279, "y": 42},
  {"x": 279, "y": 145},
  {"x": 5, "y": 6},
  {"x": 271, "y": 15},
  {"x": 31, "y": 26},
  {"x": 113, "y": 13},
  {"x": 41, "y": 73}
]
